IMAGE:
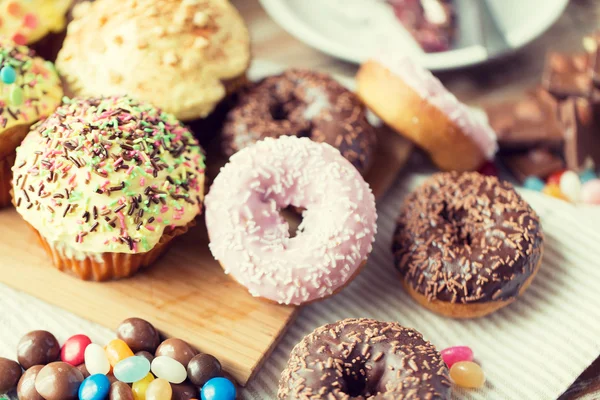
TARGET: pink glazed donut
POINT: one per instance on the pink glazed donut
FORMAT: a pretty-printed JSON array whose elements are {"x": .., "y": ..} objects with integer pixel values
[{"x": 250, "y": 238}]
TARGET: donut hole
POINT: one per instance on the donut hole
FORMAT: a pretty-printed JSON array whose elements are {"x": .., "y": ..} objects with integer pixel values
[
  {"x": 293, "y": 217},
  {"x": 355, "y": 385},
  {"x": 458, "y": 221},
  {"x": 278, "y": 112}
]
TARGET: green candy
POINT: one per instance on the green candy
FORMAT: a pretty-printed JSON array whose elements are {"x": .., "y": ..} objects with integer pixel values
[{"x": 16, "y": 95}]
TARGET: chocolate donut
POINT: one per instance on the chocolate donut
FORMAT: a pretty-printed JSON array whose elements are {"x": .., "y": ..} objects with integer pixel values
[
  {"x": 467, "y": 244},
  {"x": 305, "y": 104},
  {"x": 364, "y": 359}
]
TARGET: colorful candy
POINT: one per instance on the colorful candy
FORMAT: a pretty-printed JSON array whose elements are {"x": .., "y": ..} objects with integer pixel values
[
  {"x": 96, "y": 361},
  {"x": 467, "y": 374},
  {"x": 140, "y": 387},
  {"x": 8, "y": 75},
  {"x": 590, "y": 192},
  {"x": 58, "y": 381},
  {"x": 534, "y": 183},
  {"x": 73, "y": 350},
  {"x": 139, "y": 335},
  {"x": 159, "y": 389},
  {"x": 176, "y": 349},
  {"x": 570, "y": 186},
  {"x": 131, "y": 369},
  {"x": 587, "y": 176},
  {"x": 202, "y": 368},
  {"x": 554, "y": 191},
  {"x": 117, "y": 350},
  {"x": 455, "y": 354},
  {"x": 120, "y": 391},
  {"x": 37, "y": 348},
  {"x": 94, "y": 387},
  {"x": 218, "y": 389},
  {"x": 554, "y": 178},
  {"x": 169, "y": 369}
]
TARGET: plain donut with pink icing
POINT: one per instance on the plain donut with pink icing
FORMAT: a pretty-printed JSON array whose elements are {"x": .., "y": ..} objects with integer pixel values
[{"x": 250, "y": 238}]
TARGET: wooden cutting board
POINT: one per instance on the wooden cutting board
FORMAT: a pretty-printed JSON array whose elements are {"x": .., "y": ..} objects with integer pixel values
[{"x": 185, "y": 294}]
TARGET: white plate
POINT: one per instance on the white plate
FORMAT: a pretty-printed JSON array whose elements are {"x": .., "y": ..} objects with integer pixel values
[{"x": 354, "y": 30}]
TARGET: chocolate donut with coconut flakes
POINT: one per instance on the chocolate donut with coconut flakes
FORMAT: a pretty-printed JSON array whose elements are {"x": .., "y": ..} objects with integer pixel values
[
  {"x": 304, "y": 104},
  {"x": 364, "y": 359},
  {"x": 467, "y": 244}
]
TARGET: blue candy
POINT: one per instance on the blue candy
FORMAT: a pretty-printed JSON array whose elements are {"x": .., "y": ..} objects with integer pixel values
[
  {"x": 587, "y": 175},
  {"x": 132, "y": 369},
  {"x": 95, "y": 387},
  {"x": 534, "y": 183},
  {"x": 218, "y": 389},
  {"x": 8, "y": 74}
]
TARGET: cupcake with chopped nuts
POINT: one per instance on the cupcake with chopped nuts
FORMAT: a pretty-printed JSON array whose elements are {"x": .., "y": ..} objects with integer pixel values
[
  {"x": 30, "y": 89},
  {"x": 184, "y": 56},
  {"x": 107, "y": 183}
]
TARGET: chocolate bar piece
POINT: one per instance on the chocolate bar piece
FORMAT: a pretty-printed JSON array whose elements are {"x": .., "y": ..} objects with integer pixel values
[
  {"x": 581, "y": 121},
  {"x": 567, "y": 75},
  {"x": 539, "y": 162},
  {"x": 526, "y": 123}
]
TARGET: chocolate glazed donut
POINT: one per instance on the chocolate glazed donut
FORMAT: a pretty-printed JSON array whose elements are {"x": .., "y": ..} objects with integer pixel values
[
  {"x": 364, "y": 359},
  {"x": 467, "y": 244},
  {"x": 305, "y": 104}
]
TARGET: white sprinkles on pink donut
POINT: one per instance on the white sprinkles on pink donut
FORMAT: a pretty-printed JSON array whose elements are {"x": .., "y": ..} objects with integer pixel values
[
  {"x": 250, "y": 238},
  {"x": 435, "y": 93}
]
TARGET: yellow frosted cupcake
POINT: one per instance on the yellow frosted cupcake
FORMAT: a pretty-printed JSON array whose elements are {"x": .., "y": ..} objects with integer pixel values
[
  {"x": 30, "y": 89},
  {"x": 27, "y": 21},
  {"x": 107, "y": 183},
  {"x": 184, "y": 56}
]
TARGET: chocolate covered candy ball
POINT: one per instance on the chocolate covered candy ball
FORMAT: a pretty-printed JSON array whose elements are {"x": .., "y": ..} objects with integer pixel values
[
  {"x": 59, "y": 381},
  {"x": 140, "y": 335},
  {"x": 26, "y": 388},
  {"x": 202, "y": 368},
  {"x": 37, "y": 348},
  {"x": 10, "y": 373},
  {"x": 176, "y": 349},
  {"x": 148, "y": 356},
  {"x": 120, "y": 391},
  {"x": 184, "y": 391},
  {"x": 83, "y": 369}
]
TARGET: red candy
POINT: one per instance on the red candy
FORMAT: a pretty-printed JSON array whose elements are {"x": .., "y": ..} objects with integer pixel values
[
  {"x": 19, "y": 39},
  {"x": 455, "y": 354},
  {"x": 73, "y": 351},
  {"x": 488, "y": 169},
  {"x": 555, "y": 178}
]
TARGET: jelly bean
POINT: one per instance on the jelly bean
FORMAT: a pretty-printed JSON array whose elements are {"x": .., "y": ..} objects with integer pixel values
[
  {"x": 73, "y": 351},
  {"x": 16, "y": 96},
  {"x": 218, "y": 389},
  {"x": 467, "y": 374},
  {"x": 96, "y": 361},
  {"x": 554, "y": 178},
  {"x": 570, "y": 186},
  {"x": 132, "y": 369},
  {"x": 554, "y": 191},
  {"x": 140, "y": 387},
  {"x": 452, "y": 355},
  {"x": 169, "y": 369},
  {"x": 117, "y": 350},
  {"x": 489, "y": 169},
  {"x": 8, "y": 74},
  {"x": 95, "y": 387},
  {"x": 587, "y": 175},
  {"x": 534, "y": 183},
  {"x": 159, "y": 389},
  {"x": 590, "y": 192}
]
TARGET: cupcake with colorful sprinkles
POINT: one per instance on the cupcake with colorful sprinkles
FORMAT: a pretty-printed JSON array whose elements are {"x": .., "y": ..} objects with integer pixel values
[
  {"x": 30, "y": 89},
  {"x": 107, "y": 183}
]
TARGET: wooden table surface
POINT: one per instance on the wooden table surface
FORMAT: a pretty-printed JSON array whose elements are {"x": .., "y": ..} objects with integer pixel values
[{"x": 505, "y": 78}]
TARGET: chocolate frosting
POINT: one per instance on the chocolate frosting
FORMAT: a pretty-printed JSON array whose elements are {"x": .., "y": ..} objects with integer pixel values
[
  {"x": 305, "y": 104},
  {"x": 364, "y": 359},
  {"x": 467, "y": 238}
]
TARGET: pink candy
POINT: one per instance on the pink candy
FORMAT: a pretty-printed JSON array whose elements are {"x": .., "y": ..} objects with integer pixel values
[
  {"x": 73, "y": 351},
  {"x": 455, "y": 354},
  {"x": 590, "y": 192}
]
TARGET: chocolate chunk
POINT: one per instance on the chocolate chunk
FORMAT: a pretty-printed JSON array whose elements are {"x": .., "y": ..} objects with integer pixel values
[
  {"x": 176, "y": 349},
  {"x": 140, "y": 335},
  {"x": 26, "y": 388},
  {"x": 581, "y": 120},
  {"x": 37, "y": 348},
  {"x": 184, "y": 391},
  {"x": 528, "y": 122},
  {"x": 148, "y": 356},
  {"x": 10, "y": 373},
  {"x": 538, "y": 162},
  {"x": 58, "y": 381},
  {"x": 567, "y": 75},
  {"x": 120, "y": 391},
  {"x": 202, "y": 368}
]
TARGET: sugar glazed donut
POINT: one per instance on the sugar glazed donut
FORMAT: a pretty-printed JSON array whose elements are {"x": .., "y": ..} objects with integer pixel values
[
  {"x": 467, "y": 244},
  {"x": 364, "y": 359},
  {"x": 305, "y": 104},
  {"x": 416, "y": 104},
  {"x": 250, "y": 238}
]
